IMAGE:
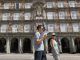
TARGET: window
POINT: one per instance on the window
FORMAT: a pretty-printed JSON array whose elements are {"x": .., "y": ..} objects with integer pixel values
[
  {"x": 72, "y": 3},
  {"x": 75, "y": 27},
  {"x": 50, "y": 15},
  {"x": 51, "y": 27},
  {"x": 49, "y": 4},
  {"x": 16, "y": 16},
  {"x": 74, "y": 14},
  {"x": 63, "y": 27},
  {"x": 62, "y": 15},
  {"x": 4, "y": 28},
  {"x": 15, "y": 28},
  {"x": 6, "y": 16},
  {"x": 60, "y": 4},
  {"x": 6, "y": 5},
  {"x": 28, "y": 5},
  {"x": 27, "y": 16},
  {"x": 27, "y": 28}
]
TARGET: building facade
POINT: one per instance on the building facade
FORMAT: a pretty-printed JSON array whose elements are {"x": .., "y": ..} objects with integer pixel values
[{"x": 19, "y": 18}]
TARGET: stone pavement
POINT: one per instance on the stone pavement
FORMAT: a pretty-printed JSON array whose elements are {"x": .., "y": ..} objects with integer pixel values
[{"x": 30, "y": 56}]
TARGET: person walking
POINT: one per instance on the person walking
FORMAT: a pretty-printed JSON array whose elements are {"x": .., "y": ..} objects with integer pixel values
[
  {"x": 39, "y": 53},
  {"x": 54, "y": 46}
]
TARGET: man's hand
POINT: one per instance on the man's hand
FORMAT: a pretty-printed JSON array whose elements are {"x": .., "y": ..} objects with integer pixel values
[
  {"x": 38, "y": 42},
  {"x": 45, "y": 37}
]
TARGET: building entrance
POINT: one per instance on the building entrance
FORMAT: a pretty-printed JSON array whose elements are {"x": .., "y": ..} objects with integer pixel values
[
  {"x": 77, "y": 44},
  {"x": 26, "y": 45},
  {"x": 14, "y": 45},
  {"x": 2, "y": 45},
  {"x": 65, "y": 45}
]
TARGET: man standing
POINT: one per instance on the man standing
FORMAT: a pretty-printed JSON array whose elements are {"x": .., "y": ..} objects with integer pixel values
[{"x": 39, "y": 45}]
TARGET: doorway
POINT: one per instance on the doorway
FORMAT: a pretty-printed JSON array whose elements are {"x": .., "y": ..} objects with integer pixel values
[
  {"x": 65, "y": 45},
  {"x": 14, "y": 45},
  {"x": 26, "y": 45},
  {"x": 2, "y": 45},
  {"x": 77, "y": 44}
]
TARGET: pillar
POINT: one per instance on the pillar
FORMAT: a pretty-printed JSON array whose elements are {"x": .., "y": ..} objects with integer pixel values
[
  {"x": 32, "y": 45},
  {"x": 20, "y": 46},
  {"x": 72, "y": 46},
  {"x": 8, "y": 46},
  {"x": 59, "y": 45}
]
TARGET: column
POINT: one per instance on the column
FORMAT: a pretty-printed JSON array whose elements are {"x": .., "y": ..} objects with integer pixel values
[
  {"x": 8, "y": 46},
  {"x": 20, "y": 46},
  {"x": 60, "y": 46},
  {"x": 32, "y": 45},
  {"x": 72, "y": 46}
]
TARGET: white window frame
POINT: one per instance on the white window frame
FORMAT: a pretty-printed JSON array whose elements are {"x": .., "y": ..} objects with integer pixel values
[
  {"x": 50, "y": 27},
  {"x": 6, "y": 5},
  {"x": 49, "y": 4},
  {"x": 3, "y": 28},
  {"x": 72, "y": 3},
  {"x": 27, "y": 28},
  {"x": 50, "y": 15},
  {"x": 63, "y": 27},
  {"x": 75, "y": 27},
  {"x": 62, "y": 15},
  {"x": 6, "y": 16},
  {"x": 60, "y": 4},
  {"x": 15, "y": 28},
  {"x": 74, "y": 14},
  {"x": 16, "y": 16},
  {"x": 27, "y": 16},
  {"x": 28, "y": 5}
]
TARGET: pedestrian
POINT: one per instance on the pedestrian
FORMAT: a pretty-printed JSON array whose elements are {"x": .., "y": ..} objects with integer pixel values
[
  {"x": 39, "y": 53},
  {"x": 54, "y": 46}
]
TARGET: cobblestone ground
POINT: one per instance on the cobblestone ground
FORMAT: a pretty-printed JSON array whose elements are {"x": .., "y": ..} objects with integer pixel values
[{"x": 30, "y": 57}]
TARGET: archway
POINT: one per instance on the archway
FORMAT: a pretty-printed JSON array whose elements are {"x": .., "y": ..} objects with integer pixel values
[
  {"x": 77, "y": 44},
  {"x": 65, "y": 45},
  {"x": 2, "y": 45},
  {"x": 14, "y": 45},
  {"x": 26, "y": 45}
]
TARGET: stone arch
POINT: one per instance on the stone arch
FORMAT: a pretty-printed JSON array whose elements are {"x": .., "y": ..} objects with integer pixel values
[
  {"x": 65, "y": 45},
  {"x": 26, "y": 45},
  {"x": 14, "y": 45},
  {"x": 2, "y": 45},
  {"x": 77, "y": 44}
]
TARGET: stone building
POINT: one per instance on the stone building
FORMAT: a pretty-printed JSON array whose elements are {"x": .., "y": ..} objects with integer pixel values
[{"x": 19, "y": 18}]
